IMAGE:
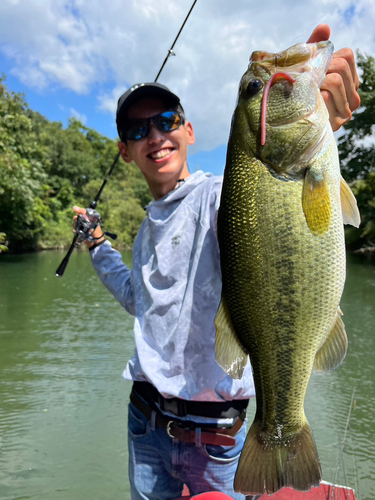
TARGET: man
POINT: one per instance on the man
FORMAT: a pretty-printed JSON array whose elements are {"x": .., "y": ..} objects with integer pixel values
[{"x": 186, "y": 415}]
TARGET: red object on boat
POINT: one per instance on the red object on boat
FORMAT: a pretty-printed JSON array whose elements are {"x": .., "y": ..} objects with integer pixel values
[{"x": 326, "y": 491}]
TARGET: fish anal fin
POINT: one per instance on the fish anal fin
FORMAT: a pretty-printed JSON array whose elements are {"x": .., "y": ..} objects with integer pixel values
[
  {"x": 350, "y": 212},
  {"x": 316, "y": 203},
  {"x": 269, "y": 466},
  {"x": 333, "y": 351},
  {"x": 230, "y": 355}
]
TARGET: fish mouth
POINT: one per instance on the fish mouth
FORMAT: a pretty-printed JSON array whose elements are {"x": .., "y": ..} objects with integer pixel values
[
  {"x": 311, "y": 58},
  {"x": 300, "y": 58}
]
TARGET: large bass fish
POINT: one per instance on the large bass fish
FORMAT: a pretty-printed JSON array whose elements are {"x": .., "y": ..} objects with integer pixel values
[{"x": 280, "y": 229}]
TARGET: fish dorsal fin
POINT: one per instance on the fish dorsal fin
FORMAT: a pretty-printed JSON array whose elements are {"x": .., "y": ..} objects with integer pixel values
[
  {"x": 350, "y": 212},
  {"x": 333, "y": 351},
  {"x": 230, "y": 355},
  {"x": 316, "y": 203}
]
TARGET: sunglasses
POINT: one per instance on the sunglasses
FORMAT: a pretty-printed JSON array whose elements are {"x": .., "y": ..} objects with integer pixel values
[{"x": 167, "y": 121}]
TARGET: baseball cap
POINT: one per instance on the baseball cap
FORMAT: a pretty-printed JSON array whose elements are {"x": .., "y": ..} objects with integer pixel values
[{"x": 142, "y": 91}]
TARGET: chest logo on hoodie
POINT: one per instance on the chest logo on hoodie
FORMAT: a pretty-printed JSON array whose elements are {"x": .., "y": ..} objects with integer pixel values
[{"x": 176, "y": 240}]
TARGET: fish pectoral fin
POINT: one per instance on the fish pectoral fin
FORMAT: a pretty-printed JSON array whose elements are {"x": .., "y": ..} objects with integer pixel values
[
  {"x": 316, "y": 202},
  {"x": 333, "y": 351},
  {"x": 350, "y": 212},
  {"x": 230, "y": 355}
]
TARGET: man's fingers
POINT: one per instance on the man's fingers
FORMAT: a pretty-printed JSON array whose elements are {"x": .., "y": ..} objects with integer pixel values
[
  {"x": 339, "y": 89},
  {"x": 79, "y": 211},
  {"x": 320, "y": 34},
  {"x": 334, "y": 84},
  {"x": 336, "y": 118},
  {"x": 347, "y": 55},
  {"x": 344, "y": 85}
]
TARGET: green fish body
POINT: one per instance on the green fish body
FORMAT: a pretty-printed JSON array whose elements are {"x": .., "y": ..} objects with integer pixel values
[{"x": 281, "y": 237}]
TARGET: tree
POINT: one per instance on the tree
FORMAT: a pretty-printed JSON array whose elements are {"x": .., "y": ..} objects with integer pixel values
[
  {"x": 357, "y": 154},
  {"x": 22, "y": 176},
  {"x": 46, "y": 169}
]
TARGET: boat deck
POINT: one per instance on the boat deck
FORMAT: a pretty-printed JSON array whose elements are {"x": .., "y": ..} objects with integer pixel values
[{"x": 326, "y": 491}]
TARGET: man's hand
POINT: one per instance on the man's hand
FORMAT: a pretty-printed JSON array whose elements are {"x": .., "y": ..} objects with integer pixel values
[
  {"x": 97, "y": 233},
  {"x": 339, "y": 89}
]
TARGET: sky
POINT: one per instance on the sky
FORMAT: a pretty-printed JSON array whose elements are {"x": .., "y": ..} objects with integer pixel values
[{"x": 76, "y": 57}]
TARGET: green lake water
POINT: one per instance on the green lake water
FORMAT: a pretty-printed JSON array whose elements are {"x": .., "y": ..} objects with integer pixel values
[{"x": 64, "y": 343}]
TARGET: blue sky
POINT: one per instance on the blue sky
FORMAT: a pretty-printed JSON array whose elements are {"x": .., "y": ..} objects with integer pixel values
[{"x": 76, "y": 57}]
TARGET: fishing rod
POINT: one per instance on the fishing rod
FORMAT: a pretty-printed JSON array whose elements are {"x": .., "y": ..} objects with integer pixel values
[
  {"x": 86, "y": 224},
  {"x": 170, "y": 51}
]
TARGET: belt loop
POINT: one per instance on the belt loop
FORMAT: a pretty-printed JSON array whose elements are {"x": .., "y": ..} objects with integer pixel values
[
  {"x": 198, "y": 436},
  {"x": 153, "y": 420}
]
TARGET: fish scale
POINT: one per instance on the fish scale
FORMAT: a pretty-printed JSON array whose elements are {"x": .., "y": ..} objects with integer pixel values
[{"x": 281, "y": 237}]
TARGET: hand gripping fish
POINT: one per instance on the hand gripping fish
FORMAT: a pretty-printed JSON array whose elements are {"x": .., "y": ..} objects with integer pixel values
[{"x": 281, "y": 237}]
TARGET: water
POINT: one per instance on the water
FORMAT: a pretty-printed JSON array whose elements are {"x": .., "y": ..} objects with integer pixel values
[{"x": 63, "y": 345}]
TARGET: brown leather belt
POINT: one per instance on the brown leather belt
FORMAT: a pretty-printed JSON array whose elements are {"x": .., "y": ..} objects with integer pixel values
[{"x": 186, "y": 431}]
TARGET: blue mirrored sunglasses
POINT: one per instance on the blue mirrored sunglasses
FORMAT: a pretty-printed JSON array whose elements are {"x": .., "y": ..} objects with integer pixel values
[{"x": 167, "y": 121}]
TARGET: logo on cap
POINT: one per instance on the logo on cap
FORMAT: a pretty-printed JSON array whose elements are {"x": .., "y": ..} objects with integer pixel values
[{"x": 136, "y": 87}]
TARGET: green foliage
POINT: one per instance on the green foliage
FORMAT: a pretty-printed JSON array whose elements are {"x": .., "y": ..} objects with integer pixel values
[
  {"x": 46, "y": 169},
  {"x": 357, "y": 154}
]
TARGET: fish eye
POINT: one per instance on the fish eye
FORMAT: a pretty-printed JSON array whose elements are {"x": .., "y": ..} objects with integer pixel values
[{"x": 254, "y": 86}]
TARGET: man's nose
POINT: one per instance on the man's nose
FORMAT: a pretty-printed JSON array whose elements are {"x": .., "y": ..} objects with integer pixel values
[{"x": 155, "y": 134}]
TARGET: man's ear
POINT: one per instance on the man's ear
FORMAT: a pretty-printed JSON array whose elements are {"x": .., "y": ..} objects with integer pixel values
[
  {"x": 124, "y": 152},
  {"x": 190, "y": 131}
]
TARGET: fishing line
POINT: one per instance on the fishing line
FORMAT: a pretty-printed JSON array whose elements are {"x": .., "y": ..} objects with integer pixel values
[
  {"x": 170, "y": 53},
  {"x": 61, "y": 269},
  {"x": 341, "y": 452}
]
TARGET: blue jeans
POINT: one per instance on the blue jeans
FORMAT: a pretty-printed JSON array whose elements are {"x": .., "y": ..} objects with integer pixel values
[{"x": 159, "y": 466}]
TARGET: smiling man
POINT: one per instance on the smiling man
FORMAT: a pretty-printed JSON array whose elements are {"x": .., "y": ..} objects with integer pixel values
[
  {"x": 185, "y": 423},
  {"x": 162, "y": 158}
]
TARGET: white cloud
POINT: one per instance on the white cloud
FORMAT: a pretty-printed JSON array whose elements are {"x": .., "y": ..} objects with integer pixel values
[
  {"x": 108, "y": 102},
  {"x": 78, "y": 116},
  {"x": 79, "y": 43}
]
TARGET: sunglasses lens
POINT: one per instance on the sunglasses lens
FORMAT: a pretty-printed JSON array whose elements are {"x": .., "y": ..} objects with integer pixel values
[
  {"x": 169, "y": 120},
  {"x": 136, "y": 130},
  {"x": 165, "y": 122}
]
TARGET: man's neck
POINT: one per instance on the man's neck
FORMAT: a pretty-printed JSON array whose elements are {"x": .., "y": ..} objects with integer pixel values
[{"x": 160, "y": 190}]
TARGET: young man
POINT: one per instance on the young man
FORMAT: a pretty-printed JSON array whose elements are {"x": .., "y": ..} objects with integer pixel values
[{"x": 185, "y": 415}]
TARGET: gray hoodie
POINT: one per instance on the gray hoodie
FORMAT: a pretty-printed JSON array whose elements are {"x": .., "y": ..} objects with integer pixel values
[{"x": 173, "y": 290}]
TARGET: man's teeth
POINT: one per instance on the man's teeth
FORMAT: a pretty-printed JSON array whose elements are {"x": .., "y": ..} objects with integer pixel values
[{"x": 160, "y": 154}]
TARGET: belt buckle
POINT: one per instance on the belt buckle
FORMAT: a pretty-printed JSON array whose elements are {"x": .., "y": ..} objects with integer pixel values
[{"x": 169, "y": 424}]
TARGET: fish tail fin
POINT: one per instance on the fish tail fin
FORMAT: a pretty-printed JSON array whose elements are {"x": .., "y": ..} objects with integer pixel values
[{"x": 268, "y": 468}]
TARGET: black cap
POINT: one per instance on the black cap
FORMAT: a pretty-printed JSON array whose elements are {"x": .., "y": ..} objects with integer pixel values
[{"x": 142, "y": 91}]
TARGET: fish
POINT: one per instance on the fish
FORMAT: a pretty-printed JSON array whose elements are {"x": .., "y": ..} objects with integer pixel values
[{"x": 282, "y": 250}]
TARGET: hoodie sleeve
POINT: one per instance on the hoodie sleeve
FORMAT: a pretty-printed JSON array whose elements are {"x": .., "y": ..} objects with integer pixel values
[{"x": 114, "y": 274}]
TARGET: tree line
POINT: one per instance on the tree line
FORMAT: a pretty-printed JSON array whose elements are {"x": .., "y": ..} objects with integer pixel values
[
  {"x": 357, "y": 155},
  {"x": 45, "y": 169}
]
